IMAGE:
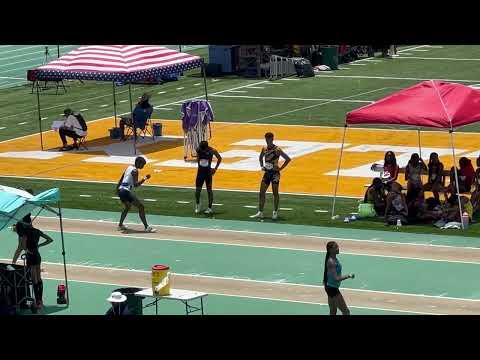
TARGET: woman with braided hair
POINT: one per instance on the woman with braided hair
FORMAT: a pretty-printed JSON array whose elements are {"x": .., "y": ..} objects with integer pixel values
[{"x": 332, "y": 277}]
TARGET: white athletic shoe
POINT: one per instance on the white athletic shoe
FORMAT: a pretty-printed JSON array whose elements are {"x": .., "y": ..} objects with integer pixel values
[
  {"x": 122, "y": 228},
  {"x": 275, "y": 215},
  {"x": 149, "y": 229},
  {"x": 197, "y": 209},
  {"x": 208, "y": 211},
  {"x": 257, "y": 215}
]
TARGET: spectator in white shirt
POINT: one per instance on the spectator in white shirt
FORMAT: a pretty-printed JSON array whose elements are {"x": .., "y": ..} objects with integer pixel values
[{"x": 70, "y": 128}]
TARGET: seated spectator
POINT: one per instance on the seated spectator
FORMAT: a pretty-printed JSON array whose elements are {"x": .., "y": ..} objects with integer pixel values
[
  {"x": 415, "y": 203},
  {"x": 475, "y": 199},
  {"x": 466, "y": 177},
  {"x": 375, "y": 195},
  {"x": 143, "y": 110},
  {"x": 396, "y": 207},
  {"x": 430, "y": 211},
  {"x": 451, "y": 211},
  {"x": 413, "y": 174},
  {"x": 436, "y": 179},
  {"x": 71, "y": 128},
  {"x": 119, "y": 305},
  {"x": 390, "y": 169}
]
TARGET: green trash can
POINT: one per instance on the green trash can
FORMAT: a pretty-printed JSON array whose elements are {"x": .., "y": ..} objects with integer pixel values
[
  {"x": 134, "y": 303},
  {"x": 330, "y": 56}
]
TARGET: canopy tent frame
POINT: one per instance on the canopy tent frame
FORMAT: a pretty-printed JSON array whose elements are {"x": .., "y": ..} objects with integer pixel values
[
  {"x": 60, "y": 217},
  {"x": 126, "y": 78},
  {"x": 451, "y": 129}
]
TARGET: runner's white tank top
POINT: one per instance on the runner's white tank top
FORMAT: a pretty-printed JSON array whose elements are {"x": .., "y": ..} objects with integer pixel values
[{"x": 127, "y": 182}]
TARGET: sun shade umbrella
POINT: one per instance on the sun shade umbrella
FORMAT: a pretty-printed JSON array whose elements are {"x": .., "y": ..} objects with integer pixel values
[
  {"x": 16, "y": 203},
  {"x": 429, "y": 104},
  {"x": 118, "y": 63}
]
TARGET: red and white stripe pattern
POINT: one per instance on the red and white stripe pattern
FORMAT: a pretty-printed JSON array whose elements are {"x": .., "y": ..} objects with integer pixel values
[{"x": 120, "y": 61}]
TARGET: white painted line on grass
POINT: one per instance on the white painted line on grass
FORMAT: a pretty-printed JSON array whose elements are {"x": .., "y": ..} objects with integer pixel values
[
  {"x": 168, "y": 109},
  {"x": 23, "y": 123},
  {"x": 357, "y": 64},
  {"x": 420, "y": 50},
  {"x": 104, "y": 105},
  {"x": 286, "y": 209},
  {"x": 196, "y": 84},
  {"x": 437, "y": 58},
  {"x": 407, "y": 54},
  {"x": 287, "y": 98},
  {"x": 321, "y": 211},
  {"x": 183, "y": 202},
  {"x": 273, "y": 83},
  {"x": 161, "y": 92},
  {"x": 115, "y": 197},
  {"x": 122, "y": 101},
  {"x": 250, "y": 206},
  {"x": 45, "y": 118},
  {"x": 291, "y": 79},
  {"x": 87, "y": 196},
  {"x": 83, "y": 109},
  {"x": 256, "y": 87},
  {"x": 151, "y": 200},
  {"x": 180, "y": 88},
  {"x": 3, "y": 127},
  {"x": 217, "y": 204},
  {"x": 215, "y": 80},
  {"x": 392, "y": 78},
  {"x": 238, "y": 91}
]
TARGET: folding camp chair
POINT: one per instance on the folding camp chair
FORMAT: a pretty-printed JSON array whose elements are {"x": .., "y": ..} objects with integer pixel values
[{"x": 81, "y": 141}]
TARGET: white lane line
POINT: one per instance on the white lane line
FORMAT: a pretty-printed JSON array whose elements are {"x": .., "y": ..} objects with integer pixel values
[
  {"x": 183, "y": 202},
  {"x": 122, "y": 101},
  {"x": 256, "y": 87},
  {"x": 344, "y": 68},
  {"x": 23, "y": 123},
  {"x": 421, "y": 50},
  {"x": 286, "y": 209},
  {"x": 287, "y": 98},
  {"x": 87, "y": 196},
  {"x": 373, "y": 60},
  {"x": 196, "y": 84},
  {"x": 316, "y": 105},
  {"x": 167, "y": 109},
  {"x": 161, "y": 92},
  {"x": 435, "y": 46},
  {"x": 214, "y": 204},
  {"x": 180, "y": 88},
  {"x": 357, "y": 64},
  {"x": 250, "y": 206},
  {"x": 45, "y": 118},
  {"x": 321, "y": 211},
  {"x": 115, "y": 197},
  {"x": 273, "y": 83},
  {"x": 3, "y": 127},
  {"x": 436, "y": 58},
  {"x": 291, "y": 79},
  {"x": 104, "y": 105},
  {"x": 236, "y": 91},
  {"x": 215, "y": 80},
  {"x": 392, "y": 78},
  {"x": 406, "y": 54},
  {"x": 11, "y": 78},
  {"x": 151, "y": 200},
  {"x": 83, "y": 109}
]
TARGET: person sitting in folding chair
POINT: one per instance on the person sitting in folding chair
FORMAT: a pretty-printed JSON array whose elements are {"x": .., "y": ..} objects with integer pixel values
[
  {"x": 142, "y": 112},
  {"x": 73, "y": 128}
]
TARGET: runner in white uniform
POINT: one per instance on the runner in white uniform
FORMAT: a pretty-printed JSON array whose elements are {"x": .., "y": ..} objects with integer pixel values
[{"x": 125, "y": 190}]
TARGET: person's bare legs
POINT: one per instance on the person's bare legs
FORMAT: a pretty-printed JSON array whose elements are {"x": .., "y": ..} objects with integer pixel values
[
  {"x": 124, "y": 213},
  {"x": 276, "y": 196},
  {"x": 198, "y": 191},
  {"x": 210, "y": 194},
  {"x": 261, "y": 196},
  {"x": 342, "y": 305},
  {"x": 141, "y": 212},
  {"x": 332, "y": 304}
]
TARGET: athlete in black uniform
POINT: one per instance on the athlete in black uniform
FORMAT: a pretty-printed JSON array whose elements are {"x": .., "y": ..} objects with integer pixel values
[
  {"x": 28, "y": 241},
  {"x": 271, "y": 153},
  {"x": 205, "y": 173}
]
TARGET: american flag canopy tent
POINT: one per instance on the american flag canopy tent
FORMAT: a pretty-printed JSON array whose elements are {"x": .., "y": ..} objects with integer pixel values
[{"x": 125, "y": 63}]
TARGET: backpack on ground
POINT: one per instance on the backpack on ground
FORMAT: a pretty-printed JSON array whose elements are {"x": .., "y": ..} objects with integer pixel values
[{"x": 81, "y": 121}]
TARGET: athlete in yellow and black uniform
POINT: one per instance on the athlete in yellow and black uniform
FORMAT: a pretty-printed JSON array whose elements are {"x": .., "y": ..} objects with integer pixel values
[
  {"x": 205, "y": 173},
  {"x": 269, "y": 157}
]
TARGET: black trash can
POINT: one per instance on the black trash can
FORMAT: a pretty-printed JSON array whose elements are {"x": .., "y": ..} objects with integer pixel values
[
  {"x": 134, "y": 303},
  {"x": 330, "y": 56}
]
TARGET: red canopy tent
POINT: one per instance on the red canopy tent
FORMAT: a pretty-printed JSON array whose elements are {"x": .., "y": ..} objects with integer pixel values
[{"x": 431, "y": 104}]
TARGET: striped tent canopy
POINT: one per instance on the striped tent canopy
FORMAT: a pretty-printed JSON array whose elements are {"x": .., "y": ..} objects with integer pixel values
[{"x": 126, "y": 63}]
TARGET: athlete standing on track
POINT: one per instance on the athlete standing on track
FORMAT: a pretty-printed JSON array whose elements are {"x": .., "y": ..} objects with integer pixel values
[
  {"x": 332, "y": 277},
  {"x": 271, "y": 153},
  {"x": 205, "y": 173},
  {"x": 128, "y": 181}
]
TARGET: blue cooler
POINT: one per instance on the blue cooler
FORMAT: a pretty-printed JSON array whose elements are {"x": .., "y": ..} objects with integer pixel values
[{"x": 157, "y": 129}]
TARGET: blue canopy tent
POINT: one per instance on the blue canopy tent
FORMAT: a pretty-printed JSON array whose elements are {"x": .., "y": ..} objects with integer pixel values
[
  {"x": 16, "y": 203},
  {"x": 125, "y": 64}
]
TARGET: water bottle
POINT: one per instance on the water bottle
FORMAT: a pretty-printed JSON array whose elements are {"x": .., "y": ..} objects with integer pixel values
[{"x": 399, "y": 224}]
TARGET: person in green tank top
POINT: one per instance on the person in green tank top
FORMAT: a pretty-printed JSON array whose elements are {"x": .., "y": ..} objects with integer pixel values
[{"x": 332, "y": 277}]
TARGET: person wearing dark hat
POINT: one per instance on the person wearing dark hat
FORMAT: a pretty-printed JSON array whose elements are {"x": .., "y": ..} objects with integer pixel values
[
  {"x": 71, "y": 128},
  {"x": 28, "y": 241},
  {"x": 119, "y": 305}
]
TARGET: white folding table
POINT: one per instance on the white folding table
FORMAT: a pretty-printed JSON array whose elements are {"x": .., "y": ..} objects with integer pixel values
[{"x": 184, "y": 296}]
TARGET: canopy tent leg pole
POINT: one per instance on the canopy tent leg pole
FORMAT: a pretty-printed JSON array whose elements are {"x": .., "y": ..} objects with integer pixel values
[
  {"x": 338, "y": 171},
  {"x": 204, "y": 73},
  {"x": 39, "y": 119},
  {"x": 58, "y": 51},
  {"x": 457, "y": 188},
  {"x": 63, "y": 254},
  {"x": 114, "y": 103},
  {"x": 133, "y": 122},
  {"x": 419, "y": 144}
]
